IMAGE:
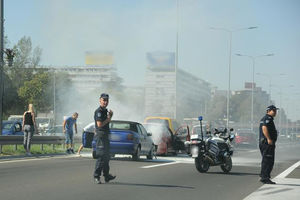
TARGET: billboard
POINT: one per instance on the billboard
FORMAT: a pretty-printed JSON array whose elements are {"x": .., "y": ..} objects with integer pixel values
[
  {"x": 161, "y": 61},
  {"x": 99, "y": 58}
]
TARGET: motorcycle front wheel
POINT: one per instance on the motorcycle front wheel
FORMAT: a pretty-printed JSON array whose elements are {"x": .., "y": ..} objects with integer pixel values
[
  {"x": 227, "y": 166},
  {"x": 202, "y": 165}
]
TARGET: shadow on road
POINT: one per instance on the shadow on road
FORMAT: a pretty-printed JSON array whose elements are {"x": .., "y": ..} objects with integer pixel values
[
  {"x": 142, "y": 160},
  {"x": 235, "y": 173},
  {"x": 152, "y": 185}
]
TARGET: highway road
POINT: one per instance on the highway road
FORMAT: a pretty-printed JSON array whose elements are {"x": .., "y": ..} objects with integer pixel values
[{"x": 70, "y": 178}]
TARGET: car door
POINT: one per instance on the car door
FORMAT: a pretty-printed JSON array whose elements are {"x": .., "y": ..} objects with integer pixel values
[
  {"x": 142, "y": 139},
  {"x": 148, "y": 140}
]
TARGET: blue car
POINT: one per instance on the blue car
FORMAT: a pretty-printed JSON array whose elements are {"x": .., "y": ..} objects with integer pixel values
[
  {"x": 127, "y": 137},
  {"x": 12, "y": 128}
]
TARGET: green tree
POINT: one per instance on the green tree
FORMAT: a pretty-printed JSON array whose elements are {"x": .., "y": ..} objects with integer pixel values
[
  {"x": 36, "y": 91},
  {"x": 23, "y": 69}
]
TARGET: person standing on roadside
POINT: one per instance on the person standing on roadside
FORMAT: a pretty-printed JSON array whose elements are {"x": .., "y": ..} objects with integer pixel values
[
  {"x": 267, "y": 140},
  {"x": 28, "y": 127},
  {"x": 102, "y": 119},
  {"x": 68, "y": 131}
]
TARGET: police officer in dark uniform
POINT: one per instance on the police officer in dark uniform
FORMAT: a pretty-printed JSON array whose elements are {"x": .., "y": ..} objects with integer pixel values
[
  {"x": 267, "y": 140},
  {"x": 102, "y": 119}
]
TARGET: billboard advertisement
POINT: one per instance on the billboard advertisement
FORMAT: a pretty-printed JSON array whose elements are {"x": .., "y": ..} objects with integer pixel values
[
  {"x": 99, "y": 58},
  {"x": 161, "y": 61}
]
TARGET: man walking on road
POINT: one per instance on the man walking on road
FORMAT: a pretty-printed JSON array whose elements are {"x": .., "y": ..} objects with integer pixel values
[
  {"x": 68, "y": 131},
  {"x": 267, "y": 140},
  {"x": 102, "y": 119}
]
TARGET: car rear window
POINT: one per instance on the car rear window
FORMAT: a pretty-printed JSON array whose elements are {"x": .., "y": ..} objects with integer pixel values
[{"x": 123, "y": 126}]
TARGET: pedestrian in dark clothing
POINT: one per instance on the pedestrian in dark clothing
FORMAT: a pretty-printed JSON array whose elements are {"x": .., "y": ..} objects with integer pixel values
[
  {"x": 102, "y": 119},
  {"x": 28, "y": 127},
  {"x": 267, "y": 140}
]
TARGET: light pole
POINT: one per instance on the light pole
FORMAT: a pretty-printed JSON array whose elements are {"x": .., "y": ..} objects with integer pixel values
[
  {"x": 1, "y": 63},
  {"x": 176, "y": 56},
  {"x": 229, "y": 66},
  {"x": 253, "y": 70}
]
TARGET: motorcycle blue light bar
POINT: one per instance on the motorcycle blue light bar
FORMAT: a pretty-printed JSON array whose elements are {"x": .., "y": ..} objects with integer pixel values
[{"x": 200, "y": 118}]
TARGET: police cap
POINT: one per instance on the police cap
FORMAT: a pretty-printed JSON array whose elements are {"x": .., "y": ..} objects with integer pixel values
[{"x": 272, "y": 107}]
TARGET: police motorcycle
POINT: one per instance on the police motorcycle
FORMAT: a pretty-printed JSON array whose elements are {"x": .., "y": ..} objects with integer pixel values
[{"x": 212, "y": 150}]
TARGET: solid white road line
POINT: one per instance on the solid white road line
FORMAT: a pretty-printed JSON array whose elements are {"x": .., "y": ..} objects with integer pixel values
[
  {"x": 288, "y": 171},
  {"x": 33, "y": 159},
  {"x": 159, "y": 165},
  {"x": 286, "y": 188}
]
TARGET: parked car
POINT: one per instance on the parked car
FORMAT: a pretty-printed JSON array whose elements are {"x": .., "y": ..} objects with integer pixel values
[
  {"x": 12, "y": 128},
  {"x": 162, "y": 138},
  {"x": 245, "y": 137},
  {"x": 127, "y": 137}
]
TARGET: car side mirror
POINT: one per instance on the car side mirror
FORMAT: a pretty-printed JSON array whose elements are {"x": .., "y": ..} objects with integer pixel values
[{"x": 149, "y": 134}]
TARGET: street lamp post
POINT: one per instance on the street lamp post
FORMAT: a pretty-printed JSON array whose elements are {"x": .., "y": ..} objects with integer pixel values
[
  {"x": 1, "y": 63},
  {"x": 229, "y": 66},
  {"x": 253, "y": 70}
]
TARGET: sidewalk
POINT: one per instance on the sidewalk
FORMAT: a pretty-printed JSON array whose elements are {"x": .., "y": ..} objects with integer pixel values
[{"x": 287, "y": 186}]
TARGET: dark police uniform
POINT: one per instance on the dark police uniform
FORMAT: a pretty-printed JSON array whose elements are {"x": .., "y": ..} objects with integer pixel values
[
  {"x": 267, "y": 151},
  {"x": 102, "y": 142}
]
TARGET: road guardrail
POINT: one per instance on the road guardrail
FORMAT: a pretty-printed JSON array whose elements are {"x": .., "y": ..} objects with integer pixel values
[{"x": 36, "y": 139}]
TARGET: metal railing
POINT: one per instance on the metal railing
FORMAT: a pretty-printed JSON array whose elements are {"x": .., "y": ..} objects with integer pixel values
[{"x": 36, "y": 139}]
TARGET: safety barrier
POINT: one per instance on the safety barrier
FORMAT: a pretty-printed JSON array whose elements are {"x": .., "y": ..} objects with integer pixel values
[{"x": 36, "y": 139}]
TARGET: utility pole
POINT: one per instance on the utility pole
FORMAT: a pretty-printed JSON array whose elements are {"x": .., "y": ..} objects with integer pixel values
[{"x": 1, "y": 64}]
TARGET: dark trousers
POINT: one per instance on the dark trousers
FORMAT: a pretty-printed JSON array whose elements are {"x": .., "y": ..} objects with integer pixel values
[
  {"x": 268, "y": 154},
  {"x": 102, "y": 163},
  {"x": 28, "y": 133}
]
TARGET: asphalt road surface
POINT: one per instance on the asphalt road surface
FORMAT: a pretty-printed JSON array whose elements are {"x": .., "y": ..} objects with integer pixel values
[{"x": 70, "y": 178}]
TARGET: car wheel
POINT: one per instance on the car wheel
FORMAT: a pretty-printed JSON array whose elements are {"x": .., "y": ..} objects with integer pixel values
[
  {"x": 151, "y": 153},
  {"x": 136, "y": 155}
]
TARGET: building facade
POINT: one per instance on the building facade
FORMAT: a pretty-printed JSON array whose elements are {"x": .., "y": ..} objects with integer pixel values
[{"x": 172, "y": 92}]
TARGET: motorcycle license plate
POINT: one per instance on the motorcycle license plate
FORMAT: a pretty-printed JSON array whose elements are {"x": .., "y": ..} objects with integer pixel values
[{"x": 195, "y": 151}]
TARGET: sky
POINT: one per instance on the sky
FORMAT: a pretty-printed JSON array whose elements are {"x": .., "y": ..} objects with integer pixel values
[{"x": 66, "y": 29}]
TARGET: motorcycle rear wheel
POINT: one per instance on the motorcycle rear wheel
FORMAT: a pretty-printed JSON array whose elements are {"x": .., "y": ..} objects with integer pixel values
[
  {"x": 227, "y": 166},
  {"x": 201, "y": 164}
]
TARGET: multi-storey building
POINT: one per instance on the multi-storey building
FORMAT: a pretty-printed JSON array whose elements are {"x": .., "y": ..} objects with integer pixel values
[{"x": 172, "y": 92}]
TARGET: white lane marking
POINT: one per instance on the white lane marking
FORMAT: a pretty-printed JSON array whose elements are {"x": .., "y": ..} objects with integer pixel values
[
  {"x": 159, "y": 165},
  {"x": 288, "y": 171},
  {"x": 252, "y": 151},
  {"x": 286, "y": 188},
  {"x": 33, "y": 159}
]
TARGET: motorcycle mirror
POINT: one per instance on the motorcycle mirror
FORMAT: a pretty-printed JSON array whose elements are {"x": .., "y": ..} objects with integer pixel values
[{"x": 231, "y": 129}]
